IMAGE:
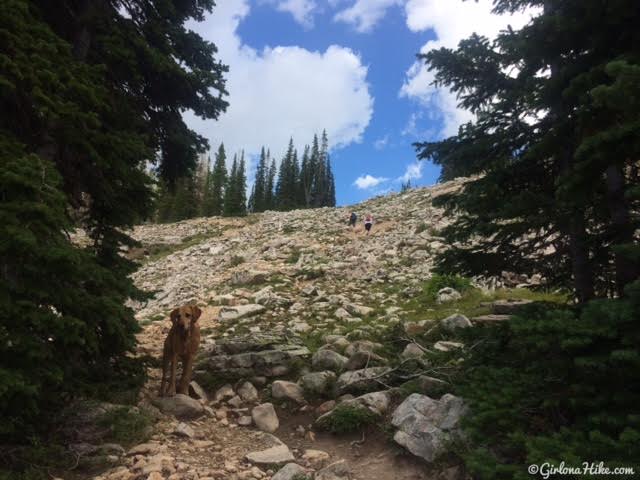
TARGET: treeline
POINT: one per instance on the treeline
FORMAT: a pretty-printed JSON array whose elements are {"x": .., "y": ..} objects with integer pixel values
[{"x": 212, "y": 190}]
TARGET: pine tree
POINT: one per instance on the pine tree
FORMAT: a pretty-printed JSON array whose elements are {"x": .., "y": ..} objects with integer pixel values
[
  {"x": 331, "y": 192},
  {"x": 258, "y": 201},
  {"x": 306, "y": 180},
  {"x": 230, "y": 194},
  {"x": 90, "y": 94},
  {"x": 240, "y": 199},
  {"x": 270, "y": 203},
  {"x": 554, "y": 143},
  {"x": 287, "y": 186},
  {"x": 214, "y": 203}
]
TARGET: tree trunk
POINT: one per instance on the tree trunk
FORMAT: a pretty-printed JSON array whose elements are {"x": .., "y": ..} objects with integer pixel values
[{"x": 625, "y": 269}]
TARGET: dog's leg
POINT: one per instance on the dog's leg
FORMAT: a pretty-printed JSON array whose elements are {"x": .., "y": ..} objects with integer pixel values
[
  {"x": 165, "y": 370},
  {"x": 187, "y": 367},
  {"x": 172, "y": 378}
]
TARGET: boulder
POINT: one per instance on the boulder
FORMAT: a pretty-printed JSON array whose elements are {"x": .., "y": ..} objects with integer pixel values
[
  {"x": 197, "y": 392},
  {"x": 291, "y": 471},
  {"x": 412, "y": 350},
  {"x": 336, "y": 471},
  {"x": 223, "y": 393},
  {"x": 265, "y": 418},
  {"x": 277, "y": 453},
  {"x": 361, "y": 346},
  {"x": 318, "y": 383},
  {"x": 361, "y": 380},
  {"x": 426, "y": 426},
  {"x": 181, "y": 406},
  {"x": 248, "y": 392},
  {"x": 358, "y": 310},
  {"x": 315, "y": 459},
  {"x": 248, "y": 277},
  {"x": 283, "y": 390},
  {"x": 448, "y": 294},
  {"x": 328, "y": 360},
  {"x": 239, "y": 311},
  {"x": 455, "y": 321},
  {"x": 364, "y": 359},
  {"x": 184, "y": 430},
  {"x": 445, "y": 346}
]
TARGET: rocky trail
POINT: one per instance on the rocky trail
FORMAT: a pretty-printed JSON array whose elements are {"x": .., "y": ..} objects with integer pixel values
[{"x": 294, "y": 378}]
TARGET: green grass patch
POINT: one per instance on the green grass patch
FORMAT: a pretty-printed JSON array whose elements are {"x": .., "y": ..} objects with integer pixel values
[
  {"x": 161, "y": 250},
  {"x": 237, "y": 260},
  {"x": 127, "y": 425},
  {"x": 348, "y": 418}
]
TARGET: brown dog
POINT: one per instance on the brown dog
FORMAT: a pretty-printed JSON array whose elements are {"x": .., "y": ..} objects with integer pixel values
[{"x": 182, "y": 342}]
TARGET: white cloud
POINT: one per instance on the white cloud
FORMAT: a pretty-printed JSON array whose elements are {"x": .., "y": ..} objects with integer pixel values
[
  {"x": 365, "y": 14},
  {"x": 380, "y": 143},
  {"x": 365, "y": 182},
  {"x": 284, "y": 91},
  {"x": 301, "y": 10},
  {"x": 412, "y": 172},
  {"x": 452, "y": 21}
]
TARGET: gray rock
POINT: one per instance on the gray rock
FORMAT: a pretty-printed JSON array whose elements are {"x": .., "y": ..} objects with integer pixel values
[
  {"x": 223, "y": 393},
  {"x": 448, "y": 294},
  {"x": 318, "y": 383},
  {"x": 364, "y": 359},
  {"x": 248, "y": 392},
  {"x": 197, "y": 392},
  {"x": 184, "y": 430},
  {"x": 361, "y": 346},
  {"x": 278, "y": 453},
  {"x": 425, "y": 426},
  {"x": 412, "y": 350},
  {"x": 265, "y": 418},
  {"x": 508, "y": 307},
  {"x": 360, "y": 380},
  {"x": 248, "y": 277},
  {"x": 328, "y": 360},
  {"x": 454, "y": 322},
  {"x": 239, "y": 311},
  {"x": 445, "y": 346},
  {"x": 358, "y": 310},
  {"x": 336, "y": 471},
  {"x": 181, "y": 406},
  {"x": 245, "y": 420},
  {"x": 235, "y": 402},
  {"x": 283, "y": 390},
  {"x": 291, "y": 471}
]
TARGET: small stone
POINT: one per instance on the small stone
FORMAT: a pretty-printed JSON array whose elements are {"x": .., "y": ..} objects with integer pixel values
[
  {"x": 235, "y": 402},
  {"x": 281, "y": 389},
  {"x": 245, "y": 420},
  {"x": 445, "y": 346},
  {"x": 223, "y": 393},
  {"x": 328, "y": 360},
  {"x": 248, "y": 392},
  {"x": 336, "y": 471},
  {"x": 455, "y": 321},
  {"x": 412, "y": 350},
  {"x": 316, "y": 459},
  {"x": 197, "y": 392},
  {"x": 184, "y": 430},
  {"x": 291, "y": 471},
  {"x": 265, "y": 418}
]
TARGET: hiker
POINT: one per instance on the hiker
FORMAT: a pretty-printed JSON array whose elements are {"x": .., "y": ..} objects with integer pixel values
[
  {"x": 368, "y": 223},
  {"x": 353, "y": 218}
]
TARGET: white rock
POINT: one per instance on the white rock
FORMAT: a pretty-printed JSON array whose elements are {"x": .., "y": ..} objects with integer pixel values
[{"x": 265, "y": 418}]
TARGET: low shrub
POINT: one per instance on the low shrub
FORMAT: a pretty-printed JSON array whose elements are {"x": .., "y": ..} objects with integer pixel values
[{"x": 348, "y": 418}]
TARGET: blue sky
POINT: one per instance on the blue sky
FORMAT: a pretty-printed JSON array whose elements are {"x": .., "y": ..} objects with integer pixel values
[{"x": 298, "y": 66}]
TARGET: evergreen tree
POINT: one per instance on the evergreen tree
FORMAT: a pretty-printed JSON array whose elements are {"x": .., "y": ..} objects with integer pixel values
[
  {"x": 230, "y": 193},
  {"x": 215, "y": 199},
  {"x": 314, "y": 161},
  {"x": 306, "y": 180},
  {"x": 258, "y": 200},
  {"x": 90, "y": 94},
  {"x": 270, "y": 202},
  {"x": 555, "y": 145},
  {"x": 287, "y": 186},
  {"x": 240, "y": 199},
  {"x": 331, "y": 193}
]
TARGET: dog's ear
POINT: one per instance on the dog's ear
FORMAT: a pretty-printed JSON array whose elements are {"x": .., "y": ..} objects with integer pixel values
[
  {"x": 195, "y": 314},
  {"x": 174, "y": 315}
]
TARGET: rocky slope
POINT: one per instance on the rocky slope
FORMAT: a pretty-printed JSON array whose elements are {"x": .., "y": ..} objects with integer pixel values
[{"x": 296, "y": 310}]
